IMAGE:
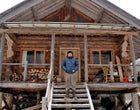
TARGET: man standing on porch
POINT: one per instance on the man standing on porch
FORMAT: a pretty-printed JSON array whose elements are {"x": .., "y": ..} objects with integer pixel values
[{"x": 70, "y": 66}]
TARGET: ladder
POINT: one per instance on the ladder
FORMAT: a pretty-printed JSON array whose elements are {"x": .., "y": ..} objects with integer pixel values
[{"x": 83, "y": 101}]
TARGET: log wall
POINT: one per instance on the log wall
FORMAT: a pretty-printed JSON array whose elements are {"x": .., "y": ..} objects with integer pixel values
[{"x": 31, "y": 42}]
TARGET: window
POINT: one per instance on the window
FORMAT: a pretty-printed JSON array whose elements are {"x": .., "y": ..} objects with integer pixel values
[
  {"x": 95, "y": 57},
  {"x": 33, "y": 56},
  {"x": 106, "y": 57},
  {"x": 101, "y": 57}
]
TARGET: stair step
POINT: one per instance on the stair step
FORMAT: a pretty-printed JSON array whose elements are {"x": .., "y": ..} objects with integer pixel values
[
  {"x": 63, "y": 86},
  {"x": 62, "y": 95},
  {"x": 71, "y": 100},
  {"x": 71, "y": 105},
  {"x": 60, "y": 90}
]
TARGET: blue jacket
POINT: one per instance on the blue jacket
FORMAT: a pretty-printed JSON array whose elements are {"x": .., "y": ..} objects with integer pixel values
[{"x": 70, "y": 65}]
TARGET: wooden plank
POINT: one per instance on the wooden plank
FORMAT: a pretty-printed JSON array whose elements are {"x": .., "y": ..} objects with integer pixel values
[
  {"x": 89, "y": 97},
  {"x": 86, "y": 58},
  {"x": 33, "y": 107},
  {"x": 119, "y": 68},
  {"x": 135, "y": 101},
  {"x": 132, "y": 52},
  {"x": 1, "y": 52},
  {"x": 111, "y": 72},
  {"x": 0, "y": 99},
  {"x": 67, "y": 31}
]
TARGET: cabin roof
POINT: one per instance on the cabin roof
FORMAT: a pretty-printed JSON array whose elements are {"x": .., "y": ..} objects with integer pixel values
[{"x": 100, "y": 10}]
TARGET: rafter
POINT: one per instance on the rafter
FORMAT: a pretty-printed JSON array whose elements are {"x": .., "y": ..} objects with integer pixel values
[
  {"x": 35, "y": 14},
  {"x": 100, "y": 15}
]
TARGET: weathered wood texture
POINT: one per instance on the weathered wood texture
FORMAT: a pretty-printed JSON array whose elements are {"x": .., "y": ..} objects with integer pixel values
[{"x": 43, "y": 42}]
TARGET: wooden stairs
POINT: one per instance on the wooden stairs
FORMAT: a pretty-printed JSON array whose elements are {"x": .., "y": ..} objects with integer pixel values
[{"x": 83, "y": 101}]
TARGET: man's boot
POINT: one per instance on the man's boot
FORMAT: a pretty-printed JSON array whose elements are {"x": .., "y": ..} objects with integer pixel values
[
  {"x": 74, "y": 94},
  {"x": 67, "y": 94}
]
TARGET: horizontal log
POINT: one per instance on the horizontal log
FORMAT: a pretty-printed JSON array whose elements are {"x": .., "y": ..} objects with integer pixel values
[
  {"x": 93, "y": 87},
  {"x": 67, "y": 31}
]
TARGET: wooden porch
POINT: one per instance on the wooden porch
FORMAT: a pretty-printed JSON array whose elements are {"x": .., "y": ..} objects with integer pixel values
[{"x": 35, "y": 87}]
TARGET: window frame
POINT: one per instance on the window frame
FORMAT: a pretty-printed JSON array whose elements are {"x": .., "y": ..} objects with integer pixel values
[
  {"x": 35, "y": 55},
  {"x": 100, "y": 55}
]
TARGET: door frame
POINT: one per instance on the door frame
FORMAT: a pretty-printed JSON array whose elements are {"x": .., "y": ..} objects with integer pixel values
[{"x": 60, "y": 61}]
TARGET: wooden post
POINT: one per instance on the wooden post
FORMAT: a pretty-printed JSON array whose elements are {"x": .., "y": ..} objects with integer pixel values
[
  {"x": 25, "y": 71},
  {"x": 135, "y": 101},
  {"x": 132, "y": 52},
  {"x": 1, "y": 52},
  {"x": 44, "y": 103},
  {"x": 111, "y": 72},
  {"x": 38, "y": 97},
  {"x": 86, "y": 57},
  {"x": 0, "y": 100},
  {"x": 52, "y": 53}
]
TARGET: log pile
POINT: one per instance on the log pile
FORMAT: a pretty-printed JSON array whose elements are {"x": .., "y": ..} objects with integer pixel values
[
  {"x": 16, "y": 77},
  {"x": 35, "y": 75}
]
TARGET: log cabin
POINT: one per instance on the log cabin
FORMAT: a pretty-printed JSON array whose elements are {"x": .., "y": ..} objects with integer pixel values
[{"x": 35, "y": 37}]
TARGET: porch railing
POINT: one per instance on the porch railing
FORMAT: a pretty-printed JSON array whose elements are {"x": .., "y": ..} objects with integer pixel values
[{"x": 25, "y": 66}]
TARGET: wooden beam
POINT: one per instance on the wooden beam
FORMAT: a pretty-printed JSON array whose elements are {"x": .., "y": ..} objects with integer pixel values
[
  {"x": 1, "y": 52},
  {"x": 0, "y": 100},
  {"x": 83, "y": 9},
  {"x": 132, "y": 53},
  {"x": 52, "y": 53},
  {"x": 68, "y": 4},
  {"x": 100, "y": 15},
  {"x": 67, "y": 31},
  {"x": 35, "y": 14},
  {"x": 18, "y": 9},
  {"x": 135, "y": 101},
  {"x": 111, "y": 72},
  {"x": 86, "y": 57}
]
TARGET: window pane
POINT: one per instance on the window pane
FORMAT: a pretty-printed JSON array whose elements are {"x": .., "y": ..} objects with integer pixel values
[
  {"x": 39, "y": 57},
  {"x": 106, "y": 57},
  {"x": 30, "y": 56},
  {"x": 95, "y": 56}
]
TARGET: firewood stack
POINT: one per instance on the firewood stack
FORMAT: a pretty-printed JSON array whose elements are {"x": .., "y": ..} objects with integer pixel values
[
  {"x": 35, "y": 75},
  {"x": 16, "y": 77}
]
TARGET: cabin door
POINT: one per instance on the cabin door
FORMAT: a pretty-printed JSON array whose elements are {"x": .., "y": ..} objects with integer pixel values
[{"x": 63, "y": 54}]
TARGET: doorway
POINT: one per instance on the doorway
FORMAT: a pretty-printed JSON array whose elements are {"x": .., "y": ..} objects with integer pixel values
[{"x": 63, "y": 54}]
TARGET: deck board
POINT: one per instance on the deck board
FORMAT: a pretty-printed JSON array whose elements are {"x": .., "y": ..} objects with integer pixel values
[{"x": 92, "y": 86}]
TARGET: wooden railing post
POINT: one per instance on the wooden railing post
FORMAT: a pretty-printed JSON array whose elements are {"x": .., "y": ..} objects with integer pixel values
[
  {"x": 132, "y": 52},
  {"x": 44, "y": 103},
  {"x": 111, "y": 72},
  {"x": 25, "y": 70},
  {"x": 86, "y": 57},
  {"x": 1, "y": 52}
]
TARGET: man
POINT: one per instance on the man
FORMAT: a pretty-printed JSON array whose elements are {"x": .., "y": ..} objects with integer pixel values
[{"x": 70, "y": 66}]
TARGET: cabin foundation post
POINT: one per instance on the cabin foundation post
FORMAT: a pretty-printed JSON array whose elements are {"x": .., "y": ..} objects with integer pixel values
[
  {"x": 135, "y": 101},
  {"x": 132, "y": 53},
  {"x": 0, "y": 100},
  {"x": 86, "y": 57},
  {"x": 1, "y": 52}
]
